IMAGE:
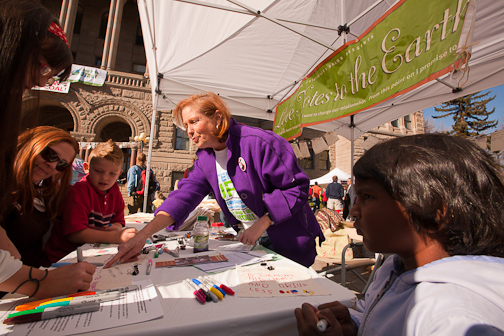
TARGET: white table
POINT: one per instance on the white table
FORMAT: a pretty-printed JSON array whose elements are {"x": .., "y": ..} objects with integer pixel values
[{"x": 233, "y": 315}]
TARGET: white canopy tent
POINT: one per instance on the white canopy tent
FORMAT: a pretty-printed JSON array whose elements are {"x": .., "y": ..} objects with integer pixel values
[
  {"x": 327, "y": 178},
  {"x": 254, "y": 52}
]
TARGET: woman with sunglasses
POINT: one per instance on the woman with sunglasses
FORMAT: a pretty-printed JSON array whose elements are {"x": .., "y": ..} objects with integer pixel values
[
  {"x": 42, "y": 177},
  {"x": 33, "y": 49}
]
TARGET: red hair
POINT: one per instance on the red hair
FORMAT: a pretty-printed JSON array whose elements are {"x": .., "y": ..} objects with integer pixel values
[
  {"x": 207, "y": 104},
  {"x": 30, "y": 144}
]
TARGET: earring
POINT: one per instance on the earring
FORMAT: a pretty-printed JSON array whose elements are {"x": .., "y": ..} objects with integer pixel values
[{"x": 217, "y": 126}]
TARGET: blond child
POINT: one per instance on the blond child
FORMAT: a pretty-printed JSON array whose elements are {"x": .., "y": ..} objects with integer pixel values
[{"x": 94, "y": 208}]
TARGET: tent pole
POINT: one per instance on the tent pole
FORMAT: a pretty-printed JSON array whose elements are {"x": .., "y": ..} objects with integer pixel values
[{"x": 352, "y": 127}]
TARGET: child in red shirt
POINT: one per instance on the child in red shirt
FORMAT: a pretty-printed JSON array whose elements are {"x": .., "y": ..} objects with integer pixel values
[{"x": 94, "y": 208}]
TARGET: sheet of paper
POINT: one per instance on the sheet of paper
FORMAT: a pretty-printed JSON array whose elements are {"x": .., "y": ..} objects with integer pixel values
[
  {"x": 228, "y": 246},
  {"x": 259, "y": 281},
  {"x": 234, "y": 258},
  {"x": 113, "y": 277},
  {"x": 136, "y": 306}
]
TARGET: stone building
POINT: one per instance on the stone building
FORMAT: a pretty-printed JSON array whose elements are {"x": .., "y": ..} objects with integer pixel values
[{"x": 107, "y": 35}]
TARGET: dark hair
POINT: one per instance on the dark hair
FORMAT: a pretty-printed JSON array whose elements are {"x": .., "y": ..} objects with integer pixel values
[
  {"x": 24, "y": 40},
  {"x": 450, "y": 188}
]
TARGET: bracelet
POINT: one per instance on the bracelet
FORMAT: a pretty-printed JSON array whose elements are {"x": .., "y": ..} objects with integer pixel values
[{"x": 37, "y": 281}]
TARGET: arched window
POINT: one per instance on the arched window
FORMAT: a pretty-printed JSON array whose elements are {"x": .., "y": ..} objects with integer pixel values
[
  {"x": 78, "y": 19},
  {"x": 139, "y": 37},
  {"x": 103, "y": 25}
]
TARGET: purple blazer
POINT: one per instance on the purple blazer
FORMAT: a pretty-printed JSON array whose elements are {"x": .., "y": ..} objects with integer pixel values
[{"x": 270, "y": 180}]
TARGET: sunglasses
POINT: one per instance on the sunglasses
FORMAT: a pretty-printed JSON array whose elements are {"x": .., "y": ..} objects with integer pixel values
[
  {"x": 46, "y": 71},
  {"x": 49, "y": 155}
]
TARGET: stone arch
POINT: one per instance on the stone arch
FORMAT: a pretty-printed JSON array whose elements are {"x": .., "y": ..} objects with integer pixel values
[
  {"x": 113, "y": 127},
  {"x": 49, "y": 109},
  {"x": 113, "y": 111}
]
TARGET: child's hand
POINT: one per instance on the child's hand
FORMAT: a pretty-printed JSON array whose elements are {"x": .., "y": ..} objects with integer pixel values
[
  {"x": 307, "y": 317},
  {"x": 126, "y": 234},
  {"x": 342, "y": 314}
]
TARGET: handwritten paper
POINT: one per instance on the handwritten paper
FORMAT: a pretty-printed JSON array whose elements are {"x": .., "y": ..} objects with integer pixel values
[
  {"x": 259, "y": 281},
  {"x": 136, "y": 306}
]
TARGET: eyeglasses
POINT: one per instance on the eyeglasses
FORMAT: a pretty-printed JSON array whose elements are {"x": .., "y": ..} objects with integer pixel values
[
  {"x": 46, "y": 71},
  {"x": 49, "y": 155}
]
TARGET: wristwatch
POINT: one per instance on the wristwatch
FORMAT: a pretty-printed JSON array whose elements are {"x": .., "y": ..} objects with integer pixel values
[{"x": 267, "y": 214}]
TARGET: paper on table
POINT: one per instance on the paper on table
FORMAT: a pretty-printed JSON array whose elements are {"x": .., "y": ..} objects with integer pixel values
[
  {"x": 227, "y": 246},
  {"x": 137, "y": 306},
  {"x": 234, "y": 258},
  {"x": 259, "y": 281},
  {"x": 113, "y": 277}
]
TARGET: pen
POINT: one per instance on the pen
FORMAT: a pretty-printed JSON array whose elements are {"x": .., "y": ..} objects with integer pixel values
[
  {"x": 322, "y": 325},
  {"x": 79, "y": 300},
  {"x": 34, "y": 304},
  {"x": 59, "y": 264},
  {"x": 149, "y": 266},
  {"x": 80, "y": 257},
  {"x": 199, "y": 295},
  {"x": 205, "y": 290},
  {"x": 52, "y": 313}
]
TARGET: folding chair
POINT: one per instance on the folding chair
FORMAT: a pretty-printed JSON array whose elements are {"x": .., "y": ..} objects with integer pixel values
[{"x": 355, "y": 263}]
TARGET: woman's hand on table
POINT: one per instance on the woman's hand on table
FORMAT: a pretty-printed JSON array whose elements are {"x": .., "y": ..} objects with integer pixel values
[
  {"x": 336, "y": 314},
  {"x": 253, "y": 233},
  {"x": 128, "y": 251},
  {"x": 66, "y": 280},
  {"x": 126, "y": 234}
]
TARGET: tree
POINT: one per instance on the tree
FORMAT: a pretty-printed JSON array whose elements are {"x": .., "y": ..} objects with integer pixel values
[{"x": 469, "y": 114}]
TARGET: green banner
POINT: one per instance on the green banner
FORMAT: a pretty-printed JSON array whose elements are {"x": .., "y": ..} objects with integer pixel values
[{"x": 411, "y": 44}]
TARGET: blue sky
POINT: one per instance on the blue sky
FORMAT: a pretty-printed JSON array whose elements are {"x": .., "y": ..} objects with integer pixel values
[{"x": 498, "y": 103}]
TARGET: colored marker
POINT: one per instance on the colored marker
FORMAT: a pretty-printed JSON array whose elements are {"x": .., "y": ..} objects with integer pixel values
[
  {"x": 213, "y": 295},
  {"x": 59, "y": 264},
  {"x": 322, "y": 325},
  {"x": 52, "y": 313},
  {"x": 79, "y": 300},
  {"x": 149, "y": 266},
  {"x": 35, "y": 304},
  {"x": 197, "y": 292},
  {"x": 80, "y": 256},
  {"x": 213, "y": 288},
  {"x": 205, "y": 290},
  {"x": 225, "y": 288}
]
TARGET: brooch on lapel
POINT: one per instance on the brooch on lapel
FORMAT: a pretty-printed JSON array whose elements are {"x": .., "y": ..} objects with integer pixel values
[{"x": 242, "y": 164}]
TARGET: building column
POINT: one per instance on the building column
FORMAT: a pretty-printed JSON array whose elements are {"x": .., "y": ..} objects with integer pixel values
[
  {"x": 86, "y": 156},
  {"x": 133, "y": 156},
  {"x": 115, "y": 34},
  {"x": 63, "y": 12},
  {"x": 82, "y": 153},
  {"x": 70, "y": 19},
  {"x": 108, "y": 35}
]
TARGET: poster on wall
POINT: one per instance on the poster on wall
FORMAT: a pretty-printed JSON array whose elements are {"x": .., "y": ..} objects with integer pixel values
[{"x": 413, "y": 43}]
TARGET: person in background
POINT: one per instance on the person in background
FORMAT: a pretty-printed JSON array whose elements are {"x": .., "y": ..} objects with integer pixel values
[
  {"x": 159, "y": 199},
  {"x": 335, "y": 193},
  {"x": 42, "y": 173},
  {"x": 134, "y": 180},
  {"x": 420, "y": 197},
  {"x": 316, "y": 190},
  {"x": 349, "y": 198},
  {"x": 324, "y": 197},
  {"x": 33, "y": 49},
  {"x": 254, "y": 176},
  {"x": 94, "y": 208}
]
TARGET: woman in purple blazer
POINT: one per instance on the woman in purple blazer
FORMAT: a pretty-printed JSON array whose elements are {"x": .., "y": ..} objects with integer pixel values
[{"x": 254, "y": 176}]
